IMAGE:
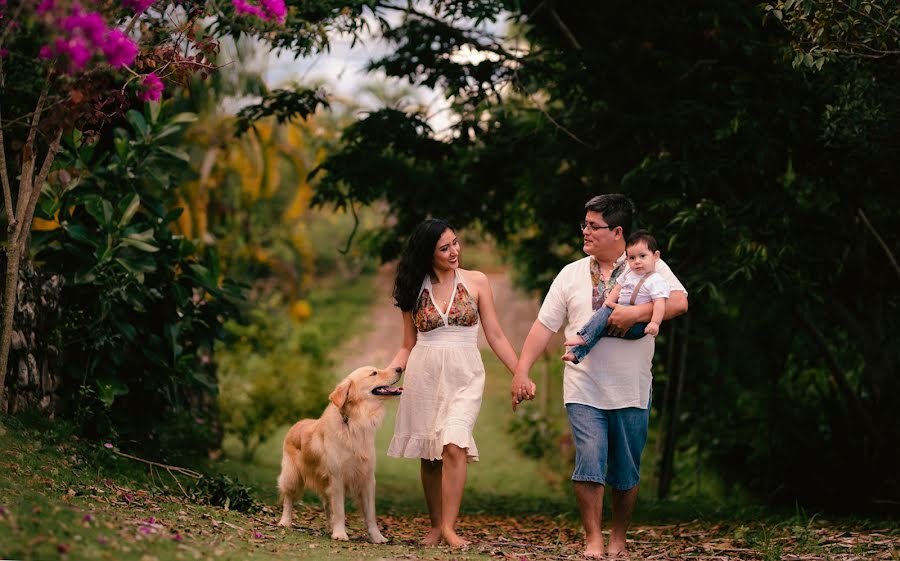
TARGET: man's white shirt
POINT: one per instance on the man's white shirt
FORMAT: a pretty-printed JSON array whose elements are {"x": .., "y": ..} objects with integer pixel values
[{"x": 616, "y": 373}]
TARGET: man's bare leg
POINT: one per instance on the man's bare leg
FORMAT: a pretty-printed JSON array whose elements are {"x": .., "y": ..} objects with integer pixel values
[
  {"x": 623, "y": 507},
  {"x": 590, "y": 504}
]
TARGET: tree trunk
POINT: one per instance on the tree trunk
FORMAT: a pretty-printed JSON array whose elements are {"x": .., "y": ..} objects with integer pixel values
[
  {"x": 665, "y": 404},
  {"x": 9, "y": 308},
  {"x": 19, "y": 229},
  {"x": 667, "y": 469}
]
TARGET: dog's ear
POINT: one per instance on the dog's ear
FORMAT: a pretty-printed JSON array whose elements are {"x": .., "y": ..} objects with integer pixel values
[{"x": 341, "y": 393}]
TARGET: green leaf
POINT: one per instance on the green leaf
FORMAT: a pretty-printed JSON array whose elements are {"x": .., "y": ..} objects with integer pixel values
[
  {"x": 138, "y": 122},
  {"x": 79, "y": 232},
  {"x": 109, "y": 389},
  {"x": 174, "y": 152},
  {"x": 139, "y": 244},
  {"x": 134, "y": 202},
  {"x": 154, "y": 107},
  {"x": 183, "y": 118},
  {"x": 100, "y": 209},
  {"x": 144, "y": 236}
]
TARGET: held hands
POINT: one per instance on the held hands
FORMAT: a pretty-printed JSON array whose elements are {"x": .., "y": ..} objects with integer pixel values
[
  {"x": 522, "y": 388},
  {"x": 652, "y": 329}
]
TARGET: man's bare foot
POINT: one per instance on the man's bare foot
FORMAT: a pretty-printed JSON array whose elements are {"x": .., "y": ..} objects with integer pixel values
[
  {"x": 451, "y": 539},
  {"x": 617, "y": 548},
  {"x": 593, "y": 551},
  {"x": 432, "y": 538}
]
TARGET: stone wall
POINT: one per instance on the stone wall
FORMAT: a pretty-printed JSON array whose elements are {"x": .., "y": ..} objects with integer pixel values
[{"x": 35, "y": 355}]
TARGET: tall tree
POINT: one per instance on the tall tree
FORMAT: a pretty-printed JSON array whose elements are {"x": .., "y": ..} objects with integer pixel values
[{"x": 773, "y": 198}]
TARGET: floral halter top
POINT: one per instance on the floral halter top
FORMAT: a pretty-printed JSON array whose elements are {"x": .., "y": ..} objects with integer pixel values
[{"x": 463, "y": 309}]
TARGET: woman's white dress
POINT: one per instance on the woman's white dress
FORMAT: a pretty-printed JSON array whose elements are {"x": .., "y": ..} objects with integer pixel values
[{"x": 444, "y": 379}]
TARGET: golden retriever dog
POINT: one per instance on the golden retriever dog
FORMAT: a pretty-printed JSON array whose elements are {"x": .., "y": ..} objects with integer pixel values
[{"x": 334, "y": 455}]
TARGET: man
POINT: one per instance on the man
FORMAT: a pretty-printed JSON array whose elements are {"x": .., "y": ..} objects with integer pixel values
[{"x": 607, "y": 395}]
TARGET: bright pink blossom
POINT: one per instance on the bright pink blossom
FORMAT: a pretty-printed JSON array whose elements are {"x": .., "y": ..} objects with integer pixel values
[
  {"x": 266, "y": 10},
  {"x": 119, "y": 49},
  {"x": 138, "y": 6},
  {"x": 76, "y": 49},
  {"x": 45, "y": 6},
  {"x": 90, "y": 25},
  {"x": 152, "y": 88}
]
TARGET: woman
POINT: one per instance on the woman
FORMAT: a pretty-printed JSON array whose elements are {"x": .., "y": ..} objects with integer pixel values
[{"x": 442, "y": 306}]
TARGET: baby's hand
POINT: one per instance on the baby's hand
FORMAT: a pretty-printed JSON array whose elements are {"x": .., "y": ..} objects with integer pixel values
[{"x": 652, "y": 329}]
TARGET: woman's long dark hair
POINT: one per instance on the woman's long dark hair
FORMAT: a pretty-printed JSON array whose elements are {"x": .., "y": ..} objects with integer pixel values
[{"x": 417, "y": 261}]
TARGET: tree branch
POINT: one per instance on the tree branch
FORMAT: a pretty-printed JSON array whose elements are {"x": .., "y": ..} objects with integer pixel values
[
  {"x": 881, "y": 242},
  {"x": 840, "y": 379},
  {"x": 4, "y": 178},
  {"x": 28, "y": 161},
  {"x": 36, "y": 188},
  {"x": 567, "y": 33}
]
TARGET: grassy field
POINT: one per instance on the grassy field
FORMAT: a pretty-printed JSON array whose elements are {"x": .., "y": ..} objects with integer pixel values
[{"x": 66, "y": 498}]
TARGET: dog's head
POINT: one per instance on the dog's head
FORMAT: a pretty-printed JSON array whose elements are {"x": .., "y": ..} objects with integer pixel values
[{"x": 367, "y": 383}]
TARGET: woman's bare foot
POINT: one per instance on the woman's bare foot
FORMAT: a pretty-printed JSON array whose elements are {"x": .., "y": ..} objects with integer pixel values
[
  {"x": 432, "y": 538},
  {"x": 451, "y": 539}
]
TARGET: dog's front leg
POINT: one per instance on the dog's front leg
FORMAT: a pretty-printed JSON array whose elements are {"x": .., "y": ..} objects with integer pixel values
[
  {"x": 367, "y": 500},
  {"x": 336, "y": 510}
]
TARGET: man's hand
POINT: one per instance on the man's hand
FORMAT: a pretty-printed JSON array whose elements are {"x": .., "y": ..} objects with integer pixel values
[
  {"x": 522, "y": 388},
  {"x": 621, "y": 320}
]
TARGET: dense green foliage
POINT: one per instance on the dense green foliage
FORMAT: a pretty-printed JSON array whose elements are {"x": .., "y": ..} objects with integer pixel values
[
  {"x": 142, "y": 306},
  {"x": 773, "y": 190}
]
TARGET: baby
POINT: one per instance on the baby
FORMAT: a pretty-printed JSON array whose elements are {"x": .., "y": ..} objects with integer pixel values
[{"x": 639, "y": 284}]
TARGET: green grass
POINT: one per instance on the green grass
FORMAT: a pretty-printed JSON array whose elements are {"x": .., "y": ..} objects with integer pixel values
[{"x": 66, "y": 498}]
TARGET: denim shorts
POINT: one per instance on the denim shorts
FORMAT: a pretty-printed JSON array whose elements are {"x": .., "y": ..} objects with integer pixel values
[{"x": 608, "y": 444}]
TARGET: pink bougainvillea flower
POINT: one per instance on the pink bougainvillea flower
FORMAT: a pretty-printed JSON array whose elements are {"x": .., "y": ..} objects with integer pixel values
[
  {"x": 152, "y": 88},
  {"x": 90, "y": 25},
  {"x": 45, "y": 6},
  {"x": 76, "y": 49},
  {"x": 145, "y": 530},
  {"x": 108, "y": 445},
  {"x": 258, "y": 535},
  {"x": 119, "y": 49},
  {"x": 177, "y": 537},
  {"x": 266, "y": 10},
  {"x": 102, "y": 540},
  {"x": 88, "y": 518},
  {"x": 138, "y": 6}
]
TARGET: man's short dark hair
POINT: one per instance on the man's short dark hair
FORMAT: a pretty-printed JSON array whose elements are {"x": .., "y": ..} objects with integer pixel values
[
  {"x": 616, "y": 208},
  {"x": 642, "y": 236}
]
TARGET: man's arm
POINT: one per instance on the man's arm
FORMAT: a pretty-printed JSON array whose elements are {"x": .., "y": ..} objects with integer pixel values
[
  {"x": 623, "y": 317},
  {"x": 522, "y": 387}
]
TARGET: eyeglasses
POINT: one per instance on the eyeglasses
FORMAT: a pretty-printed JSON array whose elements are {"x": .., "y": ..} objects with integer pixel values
[{"x": 594, "y": 227}]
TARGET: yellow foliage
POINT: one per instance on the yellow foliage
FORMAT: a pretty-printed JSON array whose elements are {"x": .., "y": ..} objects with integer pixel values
[
  {"x": 300, "y": 310},
  {"x": 41, "y": 225}
]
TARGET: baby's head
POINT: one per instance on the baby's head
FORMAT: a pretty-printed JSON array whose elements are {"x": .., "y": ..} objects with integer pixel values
[{"x": 642, "y": 252}]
